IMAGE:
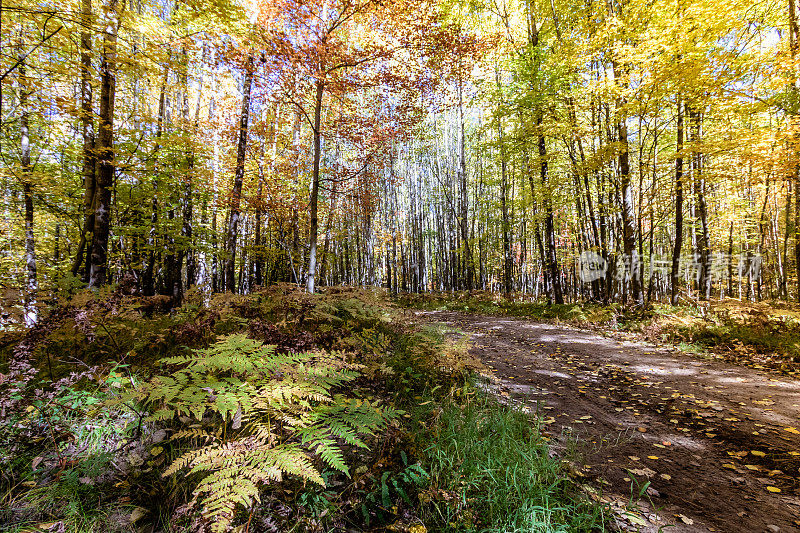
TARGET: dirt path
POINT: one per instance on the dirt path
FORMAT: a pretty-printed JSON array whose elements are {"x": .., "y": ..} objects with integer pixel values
[{"x": 711, "y": 438}]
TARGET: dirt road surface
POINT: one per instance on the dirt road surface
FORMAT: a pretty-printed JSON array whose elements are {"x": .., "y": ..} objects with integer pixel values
[{"x": 719, "y": 444}]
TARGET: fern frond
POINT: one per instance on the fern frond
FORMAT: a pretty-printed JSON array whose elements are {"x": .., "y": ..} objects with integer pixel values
[{"x": 278, "y": 412}]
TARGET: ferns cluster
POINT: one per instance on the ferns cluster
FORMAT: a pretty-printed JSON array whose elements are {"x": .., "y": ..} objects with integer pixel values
[{"x": 256, "y": 416}]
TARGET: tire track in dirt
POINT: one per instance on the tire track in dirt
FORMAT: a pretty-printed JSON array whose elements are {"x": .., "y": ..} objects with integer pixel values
[{"x": 711, "y": 438}]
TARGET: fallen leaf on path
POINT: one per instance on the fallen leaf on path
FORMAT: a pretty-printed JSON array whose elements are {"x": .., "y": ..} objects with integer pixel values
[
  {"x": 765, "y": 402},
  {"x": 792, "y": 430},
  {"x": 758, "y": 453},
  {"x": 685, "y": 519},
  {"x": 653, "y": 457},
  {"x": 665, "y": 477},
  {"x": 773, "y": 489},
  {"x": 639, "y": 521}
]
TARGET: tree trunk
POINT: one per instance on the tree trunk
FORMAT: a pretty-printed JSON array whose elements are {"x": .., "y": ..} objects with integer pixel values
[
  {"x": 626, "y": 198},
  {"x": 148, "y": 281},
  {"x": 549, "y": 226},
  {"x": 328, "y": 228},
  {"x": 703, "y": 241},
  {"x": 314, "y": 221},
  {"x": 676, "y": 249},
  {"x": 506, "y": 226},
  {"x": 794, "y": 48},
  {"x": 87, "y": 131},
  {"x": 105, "y": 151},
  {"x": 31, "y": 284},
  {"x": 258, "y": 261},
  {"x": 469, "y": 268},
  {"x": 229, "y": 269},
  {"x": 185, "y": 250}
]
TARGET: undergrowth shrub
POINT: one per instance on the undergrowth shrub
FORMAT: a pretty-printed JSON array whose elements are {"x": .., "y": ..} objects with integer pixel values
[
  {"x": 276, "y": 430},
  {"x": 754, "y": 334},
  {"x": 253, "y": 416}
]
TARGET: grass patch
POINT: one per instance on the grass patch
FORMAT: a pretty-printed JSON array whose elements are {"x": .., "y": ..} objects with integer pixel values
[{"x": 490, "y": 470}]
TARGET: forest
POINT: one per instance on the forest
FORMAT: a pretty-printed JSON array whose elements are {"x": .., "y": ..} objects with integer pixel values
[
  {"x": 285, "y": 265},
  {"x": 418, "y": 146}
]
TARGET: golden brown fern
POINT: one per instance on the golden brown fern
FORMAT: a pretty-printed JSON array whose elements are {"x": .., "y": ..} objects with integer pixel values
[{"x": 278, "y": 412}]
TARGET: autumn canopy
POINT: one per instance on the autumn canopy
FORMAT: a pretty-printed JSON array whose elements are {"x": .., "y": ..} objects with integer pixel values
[{"x": 418, "y": 145}]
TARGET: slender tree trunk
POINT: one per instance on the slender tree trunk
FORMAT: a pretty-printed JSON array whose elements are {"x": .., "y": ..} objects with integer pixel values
[
  {"x": 148, "y": 277},
  {"x": 229, "y": 268},
  {"x": 626, "y": 194},
  {"x": 293, "y": 254},
  {"x": 87, "y": 132},
  {"x": 676, "y": 249},
  {"x": 703, "y": 240},
  {"x": 186, "y": 249},
  {"x": 314, "y": 220},
  {"x": 507, "y": 266},
  {"x": 549, "y": 226},
  {"x": 328, "y": 228},
  {"x": 506, "y": 226},
  {"x": 31, "y": 283},
  {"x": 730, "y": 261},
  {"x": 98, "y": 274},
  {"x": 794, "y": 48},
  {"x": 258, "y": 251},
  {"x": 785, "y": 245},
  {"x": 469, "y": 267},
  {"x": 257, "y": 255}
]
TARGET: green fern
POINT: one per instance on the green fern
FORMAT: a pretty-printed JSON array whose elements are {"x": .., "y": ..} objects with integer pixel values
[{"x": 256, "y": 416}]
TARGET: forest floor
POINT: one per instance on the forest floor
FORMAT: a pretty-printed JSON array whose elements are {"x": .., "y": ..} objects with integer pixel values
[{"x": 701, "y": 444}]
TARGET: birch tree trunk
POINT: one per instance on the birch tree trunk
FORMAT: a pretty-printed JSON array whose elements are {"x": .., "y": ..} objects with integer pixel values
[{"x": 314, "y": 219}]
